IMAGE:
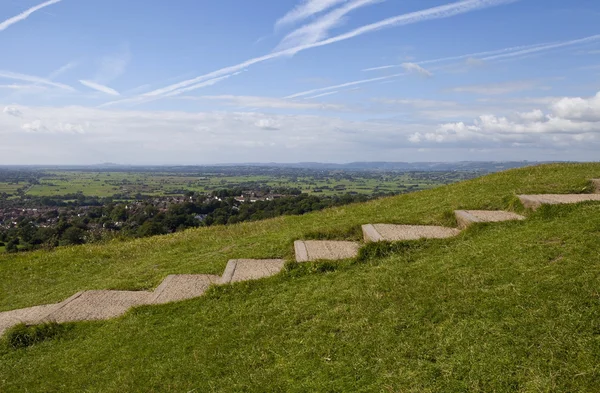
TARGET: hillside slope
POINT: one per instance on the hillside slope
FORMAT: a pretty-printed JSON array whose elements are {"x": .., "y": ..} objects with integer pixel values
[{"x": 503, "y": 307}]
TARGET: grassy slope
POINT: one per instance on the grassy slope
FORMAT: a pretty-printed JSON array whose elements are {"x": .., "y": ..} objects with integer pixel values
[
  {"x": 506, "y": 307},
  {"x": 42, "y": 277}
]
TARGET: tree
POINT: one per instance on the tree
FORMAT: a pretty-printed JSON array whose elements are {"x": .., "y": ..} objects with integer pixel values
[
  {"x": 11, "y": 246},
  {"x": 73, "y": 236}
]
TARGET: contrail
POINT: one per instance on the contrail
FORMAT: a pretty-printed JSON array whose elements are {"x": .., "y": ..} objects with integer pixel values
[
  {"x": 468, "y": 56},
  {"x": 440, "y": 12},
  {"x": 25, "y": 14}
]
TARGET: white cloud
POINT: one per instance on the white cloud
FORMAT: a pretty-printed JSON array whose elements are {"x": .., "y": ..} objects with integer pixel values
[
  {"x": 415, "y": 68},
  {"x": 9, "y": 110},
  {"x": 569, "y": 122},
  {"x": 577, "y": 108},
  {"x": 88, "y": 135},
  {"x": 25, "y": 14},
  {"x": 440, "y": 12},
  {"x": 267, "y": 124},
  {"x": 100, "y": 88}
]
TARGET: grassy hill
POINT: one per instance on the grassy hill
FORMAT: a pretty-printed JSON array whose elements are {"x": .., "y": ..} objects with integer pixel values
[{"x": 503, "y": 307}]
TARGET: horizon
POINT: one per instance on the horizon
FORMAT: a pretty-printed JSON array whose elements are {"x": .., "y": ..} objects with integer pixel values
[{"x": 326, "y": 81}]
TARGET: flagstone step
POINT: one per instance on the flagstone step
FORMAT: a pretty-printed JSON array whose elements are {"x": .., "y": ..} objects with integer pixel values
[
  {"x": 535, "y": 201},
  {"x": 466, "y": 218},
  {"x": 389, "y": 232},
  {"x": 251, "y": 269},
  {"x": 31, "y": 315},
  {"x": 97, "y": 305},
  {"x": 314, "y": 250},
  {"x": 182, "y": 287}
]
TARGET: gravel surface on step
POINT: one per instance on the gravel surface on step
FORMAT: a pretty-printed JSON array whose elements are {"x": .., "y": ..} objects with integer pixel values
[
  {"x": 251, "y": 269},
  {"x": 96, "y": 305},
  {"x": 535, "y": 201},
  {"x": 327, "y": 250},
  {"x": 388, "y": 232},
  {"x": 31, "y": 315},
  {"x": 181, "y": 287}
]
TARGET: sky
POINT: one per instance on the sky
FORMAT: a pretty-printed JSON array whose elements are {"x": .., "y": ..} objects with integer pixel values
[{"x": 192, "y": 82}]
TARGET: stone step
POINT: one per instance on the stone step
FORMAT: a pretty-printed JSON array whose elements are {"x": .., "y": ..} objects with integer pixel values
[
  {"x": 97, "y": 305},
  {"x": 388, "y": 232},
  {"x": 535, "y": 201},
  {"x": 238, "y": 270},
  {"x": 466, "y": 218},
  {"x": 314, "y": 250},
  {"x": 181, "y": 287},
  {"x": 29, "y": 316}
]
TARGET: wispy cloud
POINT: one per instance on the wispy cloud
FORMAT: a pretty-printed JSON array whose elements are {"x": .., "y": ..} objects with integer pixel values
[
  {"x": 499, "y": 88},
  {"x": 33, "y": 79},
  {"x": 21, "y": 87},
  {"x": 415, "y": 68},
  {"x": 100, "y": 88},
  {"x": 348, "y": 84},
  {"x": 543, "y": 48},
  {"x": 148, "y": 97},
  {"x": 267, "y": 102},
  {"x": 322, "y": 95},
  {"x": 113, "y": 65},
  {"x": 416, "y": 103},
  {"x": 25, "y": 14},
  {"x": 305, "y": 10},
  {"x": 461, "y": 57},
  {"x": 63, "y": 69},
  {"x": 319, "y": 29},
  {"x": 440, "y": 12}
]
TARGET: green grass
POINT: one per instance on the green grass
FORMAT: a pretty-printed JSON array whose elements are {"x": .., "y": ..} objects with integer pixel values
[{"x": 503, "y": 307}]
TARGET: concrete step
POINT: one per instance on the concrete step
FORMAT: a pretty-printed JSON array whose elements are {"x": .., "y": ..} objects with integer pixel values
[
  {"x": 29, "y": 316},
  {"x": 251, "y": 269},
  {"x": 388, "y": 232},
  {"x": 535, "y": 201},
  {"x": 314, "y": 250},
  {"x": 466, "y": 218},
  {"x": 97, "y": 305},
  {"x": 181, "y": 287}
]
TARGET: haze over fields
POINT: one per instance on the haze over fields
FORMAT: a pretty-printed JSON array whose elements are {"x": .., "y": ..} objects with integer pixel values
[{"x": 229, "y": 81}]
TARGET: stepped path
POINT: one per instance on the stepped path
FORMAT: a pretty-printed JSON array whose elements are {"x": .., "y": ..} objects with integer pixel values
[
  {"x": 98, "y": 305},
  {"x": 106, "y": 304},
  {"x": 535, "y": 201}
]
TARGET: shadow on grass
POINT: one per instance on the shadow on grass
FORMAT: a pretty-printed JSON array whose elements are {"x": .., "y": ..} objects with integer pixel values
[{"x": 23, "y": 336}]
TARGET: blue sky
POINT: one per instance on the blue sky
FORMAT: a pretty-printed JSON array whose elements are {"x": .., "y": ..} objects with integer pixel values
[{"x": 200, "y": 82}]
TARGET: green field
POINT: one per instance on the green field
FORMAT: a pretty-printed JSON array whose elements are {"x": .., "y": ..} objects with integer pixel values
[
  {"x": 107, "y": 184},
  {"x": 505, "y": 307},
  {"x": 9, "y": 188}
]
